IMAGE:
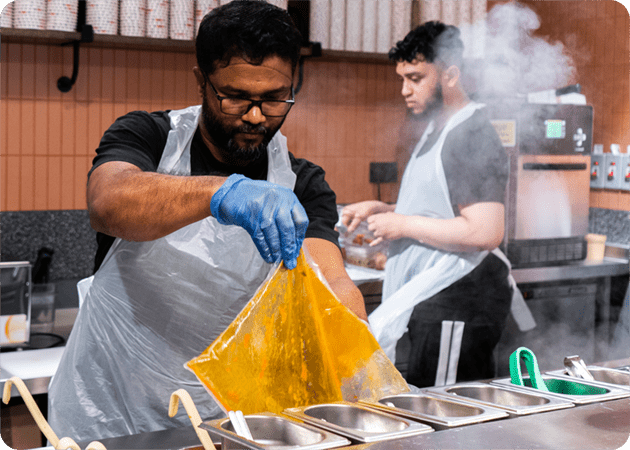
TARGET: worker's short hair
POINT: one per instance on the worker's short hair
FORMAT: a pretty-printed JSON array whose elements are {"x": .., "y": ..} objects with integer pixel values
[
  {"x": 252, "y": 30},
  {"x": 433, "y": 42}
]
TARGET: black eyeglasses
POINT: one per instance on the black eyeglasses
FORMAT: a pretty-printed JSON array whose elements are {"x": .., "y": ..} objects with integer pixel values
[{"x": 238, "y": 106}]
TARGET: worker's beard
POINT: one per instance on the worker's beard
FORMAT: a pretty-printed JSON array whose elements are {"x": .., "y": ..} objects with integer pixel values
[
  {"x": 434, "y": 104},
  {"x": 222, "y": 136}
]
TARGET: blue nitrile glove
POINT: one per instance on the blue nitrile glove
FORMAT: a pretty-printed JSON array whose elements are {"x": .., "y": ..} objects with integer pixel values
[{"x": 270, "y": 213}]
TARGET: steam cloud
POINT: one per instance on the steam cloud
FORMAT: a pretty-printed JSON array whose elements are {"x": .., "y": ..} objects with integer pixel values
[{"x": 515, "y": 61}]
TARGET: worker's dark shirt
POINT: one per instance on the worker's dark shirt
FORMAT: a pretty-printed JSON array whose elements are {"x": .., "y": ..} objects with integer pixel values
[{"x": 474, "y": 160}]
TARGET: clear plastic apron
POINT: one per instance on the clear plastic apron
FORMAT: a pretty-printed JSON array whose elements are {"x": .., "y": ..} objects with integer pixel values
[
  {"x": 151, "y": 307},
  {"x": 415, "y": 272}
]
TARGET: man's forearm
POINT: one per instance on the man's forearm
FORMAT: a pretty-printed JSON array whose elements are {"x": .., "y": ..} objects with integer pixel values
[
  {"x": 481, "y": 229},
  {"x": 446, "y": 234},
  {"x": 125, "y": 202},
  {"x": 348, "y": 293}
]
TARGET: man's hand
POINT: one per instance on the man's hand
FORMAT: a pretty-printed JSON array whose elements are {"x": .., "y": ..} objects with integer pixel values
[
  {"x": 352, "y": 215},
  {"x": 270, "y": 213},
  {"x": 387, "y": 226}
]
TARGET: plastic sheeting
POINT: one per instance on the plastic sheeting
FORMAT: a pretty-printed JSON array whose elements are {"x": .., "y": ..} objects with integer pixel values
[{"x": 295, "y": 344}]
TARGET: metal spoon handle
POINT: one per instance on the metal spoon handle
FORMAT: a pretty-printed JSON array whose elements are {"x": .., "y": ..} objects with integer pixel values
[{"x": 577, "y": 368}]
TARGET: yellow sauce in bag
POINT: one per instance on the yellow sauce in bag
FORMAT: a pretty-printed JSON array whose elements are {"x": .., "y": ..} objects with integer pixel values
[{"x": 294, "y": 344}]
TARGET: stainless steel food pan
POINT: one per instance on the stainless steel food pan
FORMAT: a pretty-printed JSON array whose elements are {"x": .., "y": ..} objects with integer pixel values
[
  {"x": 565, "y": 387},
  {"x": 513, "y": 401},
  {"x": 358, "y": 423},
  {"x": 619, "y": 378},
  {"x": 439, "y": 412},
  {"x": 272, "y": 431}
]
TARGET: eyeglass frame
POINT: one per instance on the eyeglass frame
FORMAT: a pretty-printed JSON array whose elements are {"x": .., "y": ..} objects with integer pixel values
[{"x": 252, "y": 103}]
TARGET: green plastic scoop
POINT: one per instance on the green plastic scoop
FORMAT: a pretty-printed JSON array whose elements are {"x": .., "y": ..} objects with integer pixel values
[{"x": 532, "y": 369}]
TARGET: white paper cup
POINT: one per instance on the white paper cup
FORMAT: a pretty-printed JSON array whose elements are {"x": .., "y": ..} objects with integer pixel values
[
  {"x": 157, "y": 19},
  {"x": 133, "y": 17},
  {"x": 595, "y": 247},
  {"x": 29, "y": 14},
  {"x": 103, "y": 16},
  {"x": 61, "y": 15},
  {"x": 6, "y": 18}
]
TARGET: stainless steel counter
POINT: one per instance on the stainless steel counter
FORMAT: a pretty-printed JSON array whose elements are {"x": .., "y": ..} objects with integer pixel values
[
  {"x": 597, "y": 426},
  {"x": 604, "y": 425},
  {"x": 610, "y": 267}
]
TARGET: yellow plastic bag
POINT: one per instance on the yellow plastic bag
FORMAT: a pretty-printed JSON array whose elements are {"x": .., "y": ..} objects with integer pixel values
[{"x": 294, "y": 344}]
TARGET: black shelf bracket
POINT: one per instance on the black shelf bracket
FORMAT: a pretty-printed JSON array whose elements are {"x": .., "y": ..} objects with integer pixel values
[
  {"x": 383, "y": 172},
  {"x": 64, "y": 84}
]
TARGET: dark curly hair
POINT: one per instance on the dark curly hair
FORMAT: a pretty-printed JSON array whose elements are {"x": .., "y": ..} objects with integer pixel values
[
  {"x": 252, "y": 30},
  {"x": 431, "y": 42}
]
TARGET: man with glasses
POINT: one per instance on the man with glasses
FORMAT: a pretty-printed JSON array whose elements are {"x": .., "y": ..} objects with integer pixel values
[{"x": 192, "y": 207}]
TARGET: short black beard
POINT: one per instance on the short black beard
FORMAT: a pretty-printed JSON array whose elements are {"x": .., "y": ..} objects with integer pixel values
[
  {"x": 223, "y": 138},
  {"x": 434, "y": 105}
]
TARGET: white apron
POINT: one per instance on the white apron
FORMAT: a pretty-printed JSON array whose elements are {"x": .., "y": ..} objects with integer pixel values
[
  {"x": 415, "y": 272},
  {"x": 150, "y": 308}
]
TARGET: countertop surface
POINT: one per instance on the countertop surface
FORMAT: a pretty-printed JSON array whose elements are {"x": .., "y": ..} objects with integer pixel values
[
  {"x": 609, "y": 267},
  {"x": 574, "y": 270}
]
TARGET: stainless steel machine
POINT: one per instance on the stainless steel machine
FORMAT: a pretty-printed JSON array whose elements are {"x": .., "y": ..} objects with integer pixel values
[{"x": 547, "y": 203}]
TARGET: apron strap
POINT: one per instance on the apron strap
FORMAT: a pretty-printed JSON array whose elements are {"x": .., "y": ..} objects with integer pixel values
[{"x": 450, "y": 349}]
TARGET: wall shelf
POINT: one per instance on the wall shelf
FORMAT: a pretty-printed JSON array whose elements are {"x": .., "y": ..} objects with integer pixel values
[{"x": 50, "y": 37}]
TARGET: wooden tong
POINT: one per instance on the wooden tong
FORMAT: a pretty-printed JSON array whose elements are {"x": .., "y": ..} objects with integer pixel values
[
  {"x": 193, "y": 415},
  {"x": 59, "y": 444}
]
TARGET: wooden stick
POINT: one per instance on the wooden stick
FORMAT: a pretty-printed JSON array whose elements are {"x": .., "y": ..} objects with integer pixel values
[
  {"x": 32, "y": 407},
  {"x": 59, "y": 444},
  {"x": 193, "y": 415}
]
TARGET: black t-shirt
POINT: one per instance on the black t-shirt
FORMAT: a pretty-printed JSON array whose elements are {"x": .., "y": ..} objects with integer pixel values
[
  {"x": 139, "y": 139},
  {"x": 474, "y": 160}
]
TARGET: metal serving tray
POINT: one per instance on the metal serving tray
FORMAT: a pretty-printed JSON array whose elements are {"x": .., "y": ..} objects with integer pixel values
[
  {"x": 272, "y": 431},
  {"x": 592, "y": 392},
  {"x": 619, "y": 378},
  {"x": 439, "y": 412},
  {"x": 512, "y": 401},
  {"x": 358, "y": 423}
]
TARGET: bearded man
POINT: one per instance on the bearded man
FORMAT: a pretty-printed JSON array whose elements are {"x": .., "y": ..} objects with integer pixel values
[
  {"x": 192, "y": 207},
  {"x": 445, "y": 280}
]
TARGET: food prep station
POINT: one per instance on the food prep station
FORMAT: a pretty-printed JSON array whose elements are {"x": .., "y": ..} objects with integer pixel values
[{"x": 484, "y": 414}]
